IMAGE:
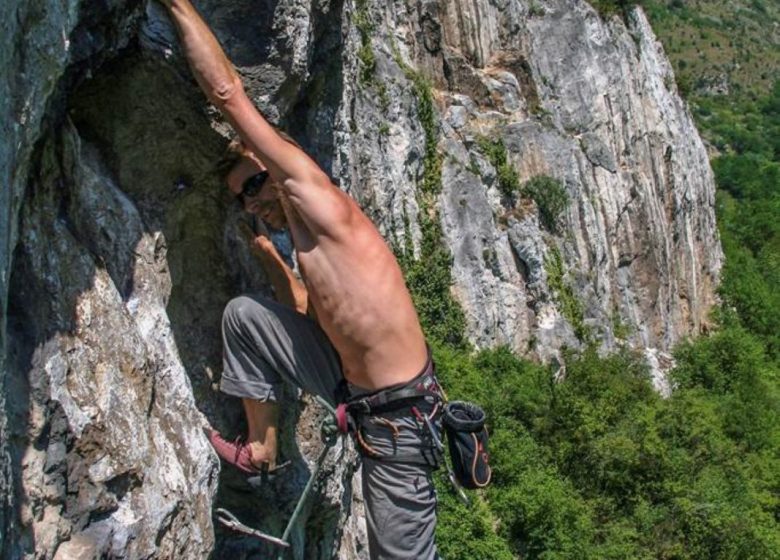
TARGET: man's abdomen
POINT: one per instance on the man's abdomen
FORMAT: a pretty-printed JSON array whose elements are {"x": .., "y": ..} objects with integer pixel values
[{"x": 365, "y": 309}]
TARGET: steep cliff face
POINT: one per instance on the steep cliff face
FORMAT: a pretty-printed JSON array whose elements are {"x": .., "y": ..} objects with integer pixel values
[
  {"x": 571, "y": 97},
  {"x": 119, "y": 248}
]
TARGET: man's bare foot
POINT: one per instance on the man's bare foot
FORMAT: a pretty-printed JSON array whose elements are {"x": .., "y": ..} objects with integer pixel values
[{"x": 260, "y": 455}]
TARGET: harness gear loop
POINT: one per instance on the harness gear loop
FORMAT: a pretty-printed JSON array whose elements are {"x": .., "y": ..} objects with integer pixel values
[
  {"x": 380, "y": 420},
  {"x": 370, "y": 450},
  {"x": 421, "y": 391}
]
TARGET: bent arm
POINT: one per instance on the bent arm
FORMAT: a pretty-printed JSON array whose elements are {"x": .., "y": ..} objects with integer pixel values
[
  {"x": 320, "y": 203},
  {"x": 288, "y": 289}
]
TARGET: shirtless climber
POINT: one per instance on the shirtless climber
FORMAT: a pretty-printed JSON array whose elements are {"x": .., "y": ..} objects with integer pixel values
[{"x": 367, "y": 343}]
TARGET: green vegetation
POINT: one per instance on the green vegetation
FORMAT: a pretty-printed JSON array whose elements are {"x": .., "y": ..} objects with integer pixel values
[
  {"x": 608, "y": 8},
  {"x": 719, "y": 45},
  {"x": 748, "y": 176},
  {"x": 431, "y": 183},
  {"x": 619, "y": 328},
  {"x": 598, "y": 465},
  {"x": 570, "y": 307},
  {"x": 550, "y": 197},
  {"x": 547, "y": 192},
  {"x": 535, "y": 9},
  {"x": 366, "y": 52},
  {"x": 429, "y": 277},
  {"x": 495, "y": 152}
]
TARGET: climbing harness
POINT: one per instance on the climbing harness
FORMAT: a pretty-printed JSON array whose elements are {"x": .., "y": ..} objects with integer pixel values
[
  {"x": 330, "y": 435},
  {"x": 423, "y": 389},
  {"x": 355, "y": 411}
]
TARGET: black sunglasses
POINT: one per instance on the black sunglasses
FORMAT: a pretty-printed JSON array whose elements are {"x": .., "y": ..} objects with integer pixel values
[{"x": 253, "y": 185}]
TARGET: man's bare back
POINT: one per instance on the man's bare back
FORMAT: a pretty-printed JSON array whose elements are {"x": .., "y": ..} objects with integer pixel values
[{"x": 358, "y": 293}]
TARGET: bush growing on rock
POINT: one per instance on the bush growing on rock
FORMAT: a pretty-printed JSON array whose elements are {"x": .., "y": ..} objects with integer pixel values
[{"x": 550, "y": 197}]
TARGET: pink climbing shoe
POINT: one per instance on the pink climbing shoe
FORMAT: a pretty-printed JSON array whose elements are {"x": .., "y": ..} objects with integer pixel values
[
  {"x": 235, "y": 453},
  {"x": 238, "y": 454}
]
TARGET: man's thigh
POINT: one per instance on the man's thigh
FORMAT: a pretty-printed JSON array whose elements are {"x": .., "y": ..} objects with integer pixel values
[
  {"x": 265, "y": 342},
  {"x": 400, "y": 510}
]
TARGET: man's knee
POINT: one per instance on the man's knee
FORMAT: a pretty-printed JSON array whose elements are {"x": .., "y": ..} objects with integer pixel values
[{"x": 241, "y": 311}]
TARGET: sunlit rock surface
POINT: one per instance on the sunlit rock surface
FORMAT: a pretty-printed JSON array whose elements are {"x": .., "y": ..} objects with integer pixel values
[{"x": 119, "y": 247}]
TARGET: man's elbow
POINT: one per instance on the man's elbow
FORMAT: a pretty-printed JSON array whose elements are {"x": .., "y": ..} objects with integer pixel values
[{"x": 225, "y": 93}]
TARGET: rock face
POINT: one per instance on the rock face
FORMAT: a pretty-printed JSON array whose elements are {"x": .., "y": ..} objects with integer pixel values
[
  {"x": 120, "y": 251},
  {"x": 589, "y": 103}
]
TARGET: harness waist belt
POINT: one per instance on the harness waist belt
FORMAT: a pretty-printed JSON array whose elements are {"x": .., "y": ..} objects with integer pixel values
[{"x": 398, "y": 396}]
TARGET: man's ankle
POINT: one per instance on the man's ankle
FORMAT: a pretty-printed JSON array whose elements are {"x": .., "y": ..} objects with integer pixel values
[{"x": 261, "y": 453}]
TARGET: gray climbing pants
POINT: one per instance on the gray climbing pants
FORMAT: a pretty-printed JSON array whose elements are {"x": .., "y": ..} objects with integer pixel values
[{"x": 267, "y": 344}]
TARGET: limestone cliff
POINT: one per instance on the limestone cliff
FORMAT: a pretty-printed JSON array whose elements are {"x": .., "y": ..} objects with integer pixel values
[{"x": 119, "y": 248}]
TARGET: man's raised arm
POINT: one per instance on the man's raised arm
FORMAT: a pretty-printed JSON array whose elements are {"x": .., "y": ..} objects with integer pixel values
[{"x": 300, "y": 176}]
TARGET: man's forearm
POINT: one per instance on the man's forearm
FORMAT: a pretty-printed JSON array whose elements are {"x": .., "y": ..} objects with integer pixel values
[
  {"x": 320, "y": 203},
  {"x": 212, "y": 69},
  {"x": 289, "y": 290}
]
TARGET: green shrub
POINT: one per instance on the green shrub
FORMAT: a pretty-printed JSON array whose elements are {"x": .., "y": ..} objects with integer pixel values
[
  {"x": 600, "y": 466},
  {"x": 365, "y": 52},
  {"x": 429, "y": 277},
  {"x": 608, "y": 8},
  {"x": 495, "y": 152},
  {"x": 569, "y": 304},
  {"x": 550, "y": 197}
]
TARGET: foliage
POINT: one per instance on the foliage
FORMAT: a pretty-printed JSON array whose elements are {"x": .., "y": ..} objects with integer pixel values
[
  {"x": 748, "y": 175},
  {"x": 431, "y": 183},
  {"x": 569, "y": 304},
  {"x": 550, "y": 197},
  {"x": 719, "y": 45},
  {"x": 365, "y": 52},
  {"x": 495, "y": 151},
  {"x": 466, "y": 532},
  {"x": 429, "y": 277},
  {"x": 608, "y": 8},
  {"x": 600, "y": 466}
]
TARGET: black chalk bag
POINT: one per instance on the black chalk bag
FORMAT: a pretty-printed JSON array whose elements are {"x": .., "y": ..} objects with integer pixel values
[{"x": 467, "y": 438}]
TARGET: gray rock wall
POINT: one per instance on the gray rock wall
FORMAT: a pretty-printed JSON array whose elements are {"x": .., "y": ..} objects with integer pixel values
[
  {"x": 590, "y": 103},
  {"x": 119, "y": 248}
]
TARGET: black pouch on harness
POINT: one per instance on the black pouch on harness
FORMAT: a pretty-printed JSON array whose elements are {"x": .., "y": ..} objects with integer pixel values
[{"x": 467, "y": 438}]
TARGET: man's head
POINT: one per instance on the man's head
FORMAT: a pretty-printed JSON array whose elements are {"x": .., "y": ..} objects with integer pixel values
[{"x": 258, "y": 193}]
